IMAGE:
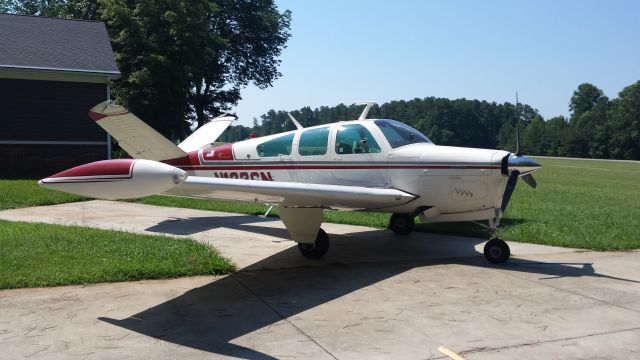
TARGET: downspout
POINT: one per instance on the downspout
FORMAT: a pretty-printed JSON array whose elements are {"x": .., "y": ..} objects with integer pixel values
[{"x": 108, "y": 135}]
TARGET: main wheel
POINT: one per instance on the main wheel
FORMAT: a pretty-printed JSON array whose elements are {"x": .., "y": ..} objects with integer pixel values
[
  {"x": 402, "y": 224},
  {"x": 496, "y": 251},
  {"x": 318, "y": 249}
]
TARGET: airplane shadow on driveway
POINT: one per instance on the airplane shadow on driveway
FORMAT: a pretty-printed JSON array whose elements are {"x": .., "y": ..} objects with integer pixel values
[
  {"x": 251, "y": 300},
  {"x": 194, "y": 225}
]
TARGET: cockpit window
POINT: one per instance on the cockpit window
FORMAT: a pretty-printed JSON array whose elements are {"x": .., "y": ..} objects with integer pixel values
[
  {"x": 314, "y": 142},
  {"x": 355, "y": 139},
  {"x": 275, "y": 147},
  {"x": 399, "y": 134}
]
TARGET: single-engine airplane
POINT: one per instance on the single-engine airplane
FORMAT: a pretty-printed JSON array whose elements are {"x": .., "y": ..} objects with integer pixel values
[{"x": 375, "y": 165}]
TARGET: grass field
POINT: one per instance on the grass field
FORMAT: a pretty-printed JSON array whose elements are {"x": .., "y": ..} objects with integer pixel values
[
  {"x": 578, "y": 203},
  {"x": 587, "y": 204},
  {"x": 25, "y": 193},
  {"x": 35, "y": 254}
]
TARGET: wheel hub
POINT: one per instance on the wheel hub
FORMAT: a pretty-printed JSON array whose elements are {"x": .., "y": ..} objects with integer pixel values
[{"x": 495, "y": 252}]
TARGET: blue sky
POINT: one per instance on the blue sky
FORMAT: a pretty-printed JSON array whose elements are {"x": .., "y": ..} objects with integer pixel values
[{"x": 344, "y": 51}]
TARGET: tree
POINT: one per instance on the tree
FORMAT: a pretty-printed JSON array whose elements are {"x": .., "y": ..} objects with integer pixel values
[
  {"x": 245, "y": 41},
  {"x": 188, "y": 60},
  {"x": 625, "y": 123},
  {"x": 584, "y": 99},
  {"x": 556, "y": 129},
  {"x": 535, "y": 139},
  {"x": 71, "y": 9},
  {"x": 6, "y": 6}
]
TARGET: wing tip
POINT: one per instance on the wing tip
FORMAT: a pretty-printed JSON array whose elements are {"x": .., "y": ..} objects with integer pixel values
[
  {"x": 95, "y": 116},
  {"x": 105, "y": 109}
]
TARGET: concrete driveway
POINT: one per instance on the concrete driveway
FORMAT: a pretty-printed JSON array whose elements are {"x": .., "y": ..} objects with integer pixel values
[{"x": 375, "y": 295}]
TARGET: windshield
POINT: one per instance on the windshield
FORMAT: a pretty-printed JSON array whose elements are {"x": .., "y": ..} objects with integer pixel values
[{"x": 399, "y": 134}]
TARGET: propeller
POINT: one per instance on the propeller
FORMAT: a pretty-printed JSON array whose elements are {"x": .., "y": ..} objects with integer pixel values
[
  {"x": 530, "y": 180},
  {"x": 508, "y": 190},
  {"x": 518, "y": 153},
  {"x": 517, "y": 165}
]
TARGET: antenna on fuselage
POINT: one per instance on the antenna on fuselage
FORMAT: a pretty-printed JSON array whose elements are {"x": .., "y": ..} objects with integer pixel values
[
  {"x": 295, "y": 122},
  {"x": 365, "y": 112}
]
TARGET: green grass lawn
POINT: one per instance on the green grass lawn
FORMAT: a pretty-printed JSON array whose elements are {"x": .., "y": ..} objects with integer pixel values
[
  {"x": 578, "y": 203},
  {"x": 35, "y": 254},
  {"x": 25, "y": 193}
]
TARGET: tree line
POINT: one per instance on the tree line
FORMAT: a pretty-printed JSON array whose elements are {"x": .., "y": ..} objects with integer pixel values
[{"x": 598, "y": 127}]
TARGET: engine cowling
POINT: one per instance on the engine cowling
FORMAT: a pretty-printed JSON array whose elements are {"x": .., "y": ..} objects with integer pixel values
[{"x": 116, "y": 179}]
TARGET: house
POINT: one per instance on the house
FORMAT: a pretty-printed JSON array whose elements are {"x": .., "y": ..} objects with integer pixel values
[{"x": 52, "y": 71}]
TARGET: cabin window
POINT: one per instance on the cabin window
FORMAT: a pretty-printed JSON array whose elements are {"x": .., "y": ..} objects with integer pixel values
[
  {"x": 355, "y": 139},
  {"x": 274, "y": 147},
  {"x": 314, "y": 142},
  {"x": 399, "y": 134}
]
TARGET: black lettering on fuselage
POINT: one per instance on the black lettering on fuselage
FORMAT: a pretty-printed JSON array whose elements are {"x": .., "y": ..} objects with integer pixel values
[{"x": 264, "y": 176}]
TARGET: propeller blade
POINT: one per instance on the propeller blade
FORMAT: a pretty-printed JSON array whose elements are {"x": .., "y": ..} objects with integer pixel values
[
  {"x": 508, "y": 191},
  {"x": 530, "y": 180},
  {"x": 517, "y": 127}
]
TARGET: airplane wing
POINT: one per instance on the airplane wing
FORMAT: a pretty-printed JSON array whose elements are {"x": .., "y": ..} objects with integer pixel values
[
  {"x": 133, "y": 135},
  {"x": 206, "y": 134},
  {"x": 299, "y": 194}
]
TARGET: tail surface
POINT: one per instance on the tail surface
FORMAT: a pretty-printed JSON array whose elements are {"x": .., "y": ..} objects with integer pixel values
[
  {"x": 134, "y": 136},
  {"x": 207, "y": 133}
]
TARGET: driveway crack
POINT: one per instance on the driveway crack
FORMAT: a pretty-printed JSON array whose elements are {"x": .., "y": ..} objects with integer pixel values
[{"x": 280, "y": 315}]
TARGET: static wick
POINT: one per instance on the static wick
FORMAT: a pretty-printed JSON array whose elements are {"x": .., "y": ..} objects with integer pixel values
[{"x": 450, "y": 353}]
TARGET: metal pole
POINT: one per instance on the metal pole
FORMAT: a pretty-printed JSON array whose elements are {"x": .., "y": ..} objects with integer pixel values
[{"x": 108, "y": 135}]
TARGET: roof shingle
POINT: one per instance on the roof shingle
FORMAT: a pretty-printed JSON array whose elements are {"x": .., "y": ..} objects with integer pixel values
[{"x": 31, "y": 42}]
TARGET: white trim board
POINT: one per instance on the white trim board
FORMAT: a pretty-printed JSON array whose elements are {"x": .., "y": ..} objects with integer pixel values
[{"x": 39, "y": 142}]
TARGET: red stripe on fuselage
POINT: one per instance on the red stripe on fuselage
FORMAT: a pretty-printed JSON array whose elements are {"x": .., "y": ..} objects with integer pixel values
[
  {"x": 192, "y": 162},
  {"x": 331, "y": 167}
]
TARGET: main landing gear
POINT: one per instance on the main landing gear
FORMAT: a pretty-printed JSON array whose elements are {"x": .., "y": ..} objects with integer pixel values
[
  {"x": 402, "y": 224},
  {"x": 318, "y": 249}
]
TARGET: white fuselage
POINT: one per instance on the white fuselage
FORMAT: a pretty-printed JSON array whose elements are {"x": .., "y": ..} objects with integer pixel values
[{"x": 448, "y": 180}]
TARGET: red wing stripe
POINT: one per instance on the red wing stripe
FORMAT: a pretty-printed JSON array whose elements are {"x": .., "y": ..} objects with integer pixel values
[
  {"x": 82, "y": 180},
  {"x": 110, "y": 168},
  {"x": 95, "y": 116}
]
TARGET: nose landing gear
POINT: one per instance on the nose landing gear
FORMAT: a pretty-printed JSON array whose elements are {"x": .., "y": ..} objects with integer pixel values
[{"x": 496, "y": 250}]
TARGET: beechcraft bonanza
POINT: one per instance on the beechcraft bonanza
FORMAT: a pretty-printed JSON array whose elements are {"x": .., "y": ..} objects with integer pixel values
[{"x": 363, "y": 165}]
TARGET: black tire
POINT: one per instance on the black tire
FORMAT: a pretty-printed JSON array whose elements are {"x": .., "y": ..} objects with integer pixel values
[
  {"x": 496, "y": 251},
  {"x": 318, "y": 249},
  {"x": 402, "y": 224}
]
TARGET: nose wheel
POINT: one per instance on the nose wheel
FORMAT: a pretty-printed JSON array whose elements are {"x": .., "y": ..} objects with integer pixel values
[
  {"x": 496, "y": 251},
  {"x": 402, "y": 224},
  {"x": 318, "y": 249}
]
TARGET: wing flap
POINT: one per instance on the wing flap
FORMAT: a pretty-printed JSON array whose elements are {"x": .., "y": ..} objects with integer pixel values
[
  {"x": 300, "y": 194},
  {"x": 134, "y": 136}
]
